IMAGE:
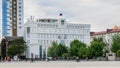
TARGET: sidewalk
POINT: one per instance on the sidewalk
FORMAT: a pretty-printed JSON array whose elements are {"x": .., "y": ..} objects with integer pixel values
[{"x": 61, "y": 64}]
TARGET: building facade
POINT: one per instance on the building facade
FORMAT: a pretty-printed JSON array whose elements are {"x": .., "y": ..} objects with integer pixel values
[
  {"x": 106, "y": 35},
  {"x": 40, "y": 34},
  {"x": 0, "y": 20},
  {"x": 12, "y": 18}
]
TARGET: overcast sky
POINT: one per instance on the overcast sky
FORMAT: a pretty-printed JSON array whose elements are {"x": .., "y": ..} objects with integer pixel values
[{"x": 101, "y": 14}]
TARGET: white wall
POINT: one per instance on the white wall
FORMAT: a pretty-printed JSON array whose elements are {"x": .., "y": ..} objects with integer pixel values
[
  {"x": 20, "y": 31},
  {"x": 34, "y": 49}
]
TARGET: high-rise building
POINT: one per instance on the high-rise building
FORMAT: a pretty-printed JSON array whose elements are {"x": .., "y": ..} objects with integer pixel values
[
  {"x": 0, "y": 23},
  {"x": 12, "y": 18},
  {"x": 0, "y": 19}
]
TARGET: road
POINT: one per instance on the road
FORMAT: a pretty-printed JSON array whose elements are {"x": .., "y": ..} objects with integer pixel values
[{"x": 61, "y": 64}]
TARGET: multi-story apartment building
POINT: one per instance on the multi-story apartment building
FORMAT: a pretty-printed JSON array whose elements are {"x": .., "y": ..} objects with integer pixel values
[
  {"x": 12, "y": 18},
  {"x": 0, "y": 20},
  {"x": 11, "y": 24},
  {"x": 40, "y": 34},
  {"x": 106, "y": 35}
]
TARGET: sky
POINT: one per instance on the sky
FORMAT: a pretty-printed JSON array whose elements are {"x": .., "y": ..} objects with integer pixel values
[{"x": 100, "y": 14}]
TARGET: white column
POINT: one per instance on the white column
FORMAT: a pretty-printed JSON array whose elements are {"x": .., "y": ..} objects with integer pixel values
[{"x": 46, "y": 50}]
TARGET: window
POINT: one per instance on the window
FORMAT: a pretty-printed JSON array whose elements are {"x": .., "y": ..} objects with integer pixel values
[
  {"x": 14, "y": 27},
  {"x": 41, "y": 35},
  {"x": 8, "y": 29},
  {"x": 14, "y": 10},
  {"x": 44, "y": 41},
  {"x": 14, "y": 2},
  {"x": 14, "y": 14},
  {"x": 19, "y": 22},
  {"x": 19, "y": 2},
  {"x": 62, "y": 21},
  {"x": 48, "y": 20},
  {"x": 44, "y": 25},
  {"x": 19, "y": 10},
  {"x": 7, "y": 33},
  {"x": 14, "y": 6},
  {"x": 10, "y": 6},
  {"x": 19, "y": 6},
  {"x": 10, "y": 22},
  {"x": 14, "y": 22},
  {"x": 28, "y": 29},
  {"x": 19, "y": 18},
  {"x": 19, "y": 14},
  {"x": 19, "y": 26},
  {"x": 10, "y": 18},
  {"x": 10, "y": 26},
  {"x": 14, "y": 18}
]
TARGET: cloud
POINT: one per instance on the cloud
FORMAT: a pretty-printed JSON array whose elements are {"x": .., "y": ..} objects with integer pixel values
[
  {"x": 31, "y": 8},
  {"x": 101, "y": 14}
]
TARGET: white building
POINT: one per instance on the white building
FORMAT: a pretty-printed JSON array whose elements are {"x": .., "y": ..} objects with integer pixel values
[
  {"x": 40, "y": 34},
  {"x": 12, "y": 18}
]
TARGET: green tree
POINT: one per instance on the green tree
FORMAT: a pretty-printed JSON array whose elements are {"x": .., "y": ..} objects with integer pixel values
[
  {"x": 118, "y": 53},
  {"x": 12, "y": 50},
  {"x": 53, "y": 50},
  {"x": 75, "y": 46},
  {"x": 89, "y": 52},
  {"x": 17, "y": 45},
  {"x": 115, "y": 43},
  {"x": 61, "y": 50},
  {"x": 97, "y": 47},
  {"x": 56, "y": 50},
  {"x": 84, "y": 52},
  {"x": 65, "y": 55}
]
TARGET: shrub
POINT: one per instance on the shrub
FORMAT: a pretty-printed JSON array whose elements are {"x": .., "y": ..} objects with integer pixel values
[
  {"x": 64, "y": 55},
  {"x": 74, "y": 57},
  {"x": 118, "y": 53}
]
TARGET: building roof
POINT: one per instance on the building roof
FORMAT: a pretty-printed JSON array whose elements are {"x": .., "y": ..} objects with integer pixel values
[
  {"x": 49, "y": 20},
  {"x": 9, "y": 38},
  {"x": 105, "y": 32}
]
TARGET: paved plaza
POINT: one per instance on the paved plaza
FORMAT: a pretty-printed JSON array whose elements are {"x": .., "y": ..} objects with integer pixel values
[{"x": 61, "y": 64}]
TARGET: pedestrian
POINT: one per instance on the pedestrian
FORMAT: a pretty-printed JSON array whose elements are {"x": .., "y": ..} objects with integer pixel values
[
  {"x": 77, "y": 59},
  {"x": 32, "y": 57}
]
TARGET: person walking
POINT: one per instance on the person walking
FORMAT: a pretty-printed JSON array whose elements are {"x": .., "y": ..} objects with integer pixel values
[{"x": 32, "y": 57}]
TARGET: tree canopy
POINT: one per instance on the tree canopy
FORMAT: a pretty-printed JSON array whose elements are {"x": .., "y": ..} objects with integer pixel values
[
  {"x": 61, "y": 49},
  {"x": 97, "y": 46},
  {"x": 52, "y": 51},
  {"x": 56, "y": 50},
  {"x": 115, "y": 43},
  {"x": 77, "y": 48},
  {"x": 16, "y": 47},
  {"x": 118, "y": 53},
  {"x": 12, "y": 51}
]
